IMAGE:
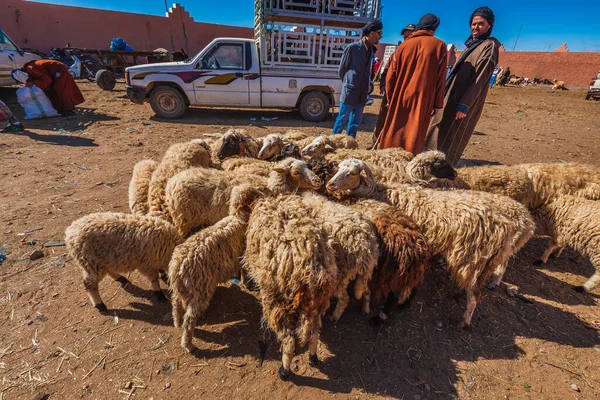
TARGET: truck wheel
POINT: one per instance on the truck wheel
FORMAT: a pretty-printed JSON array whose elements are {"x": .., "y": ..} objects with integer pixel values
[
  {"x": 167, "y": 102},
  {"x": 105, "y": 79},
  {"x": 588, "y": 96},
  {"x": 314, "y": 106}
]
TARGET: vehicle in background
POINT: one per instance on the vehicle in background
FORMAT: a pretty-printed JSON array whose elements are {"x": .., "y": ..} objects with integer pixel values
[
  {"x": 291, "y": 63},
  {"x": 11, "y": 58},
  {"x": 594, "y": 92}
]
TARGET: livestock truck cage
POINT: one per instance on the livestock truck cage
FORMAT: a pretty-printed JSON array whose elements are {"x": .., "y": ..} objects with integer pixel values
[{"x": 309, "y": 34}]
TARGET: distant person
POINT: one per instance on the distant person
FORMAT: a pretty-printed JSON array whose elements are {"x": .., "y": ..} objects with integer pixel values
[
  {"x": 451, "y": 57},
  {"x": 355, "y": 71},
  {"x": 414, "y": 88},
  {"x": 494, "y": 76},
  {"x": 14, "y": 125},
  {"x": 466, "y": 89},
  {"x": 505, "y": 75},
  {"x": 54, "y": 79}
]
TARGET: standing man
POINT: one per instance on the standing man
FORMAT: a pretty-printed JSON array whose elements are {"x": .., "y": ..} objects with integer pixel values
[
  {"x": 466, "y": 89},
  {"x": 355, "y": 72},
  {"x": 415, "y": 87}
]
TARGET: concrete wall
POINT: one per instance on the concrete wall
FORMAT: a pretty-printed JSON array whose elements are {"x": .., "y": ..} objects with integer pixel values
[{"x": 42, "y": 26}]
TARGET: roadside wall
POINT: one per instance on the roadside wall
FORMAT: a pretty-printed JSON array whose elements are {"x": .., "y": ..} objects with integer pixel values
[{"x": 42, "y": 26}]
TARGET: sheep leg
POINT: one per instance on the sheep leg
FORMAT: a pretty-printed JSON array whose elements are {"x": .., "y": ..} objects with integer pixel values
[
  {"x": 90, "y": 282},
  {"x": 343, "y": 300},
  {"x": 119, "y": 278},
  {"x": 160, "y": 296},
  {"x": 497, "y": 277},
  {"x": 288, "y": 347},
  {"x": 313, "y": 344},
  {"x": 473, "y": 296},
  {"x": 361, "y": 290},
  {"x": 189, "y": 326},
  {"x": 544, "y": 259},
  {"x": 178, "y": 312},
  {"x": 594, "y": 280}
]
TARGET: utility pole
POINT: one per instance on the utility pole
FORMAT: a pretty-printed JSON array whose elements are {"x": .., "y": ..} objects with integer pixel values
[{"x": 517, "y": 39}]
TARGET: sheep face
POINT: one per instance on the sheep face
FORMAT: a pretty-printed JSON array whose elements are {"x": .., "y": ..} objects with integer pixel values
[
  {"x": 271, "y": 147},
  {"x": 430, "y": 164},
  {"x": 442, "y": 169},
  {"x": 299, "y": 173},
  {"x": 318, "y": 147},
  {"x": 290, "y": 150},
  {"x": 233, "y": 145},
  {"x": 348, "y": 177}
]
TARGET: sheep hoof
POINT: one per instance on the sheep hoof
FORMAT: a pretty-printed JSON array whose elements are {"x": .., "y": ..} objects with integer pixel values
[
  {"x": 102, "y": 308},
  {"x": 284, "y": 374},
  {"x": 492, "y": 286},
  {"x": 313, "y": 360},
  {"x": 332, "y": 319},
  {"x": 160, "y": 296},
  {"x": 538, "y": 262},
  {"x": 579, "y": 289},
  {"x": 123, "y": 281}
]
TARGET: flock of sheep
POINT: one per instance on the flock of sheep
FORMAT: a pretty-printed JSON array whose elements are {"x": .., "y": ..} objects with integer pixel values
[{"x": 302, "y": 217}]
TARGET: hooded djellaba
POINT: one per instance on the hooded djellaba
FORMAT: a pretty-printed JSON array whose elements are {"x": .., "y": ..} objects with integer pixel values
[
  {"x": 466, "y": 89},
  {"x": 415, "y": 85}
]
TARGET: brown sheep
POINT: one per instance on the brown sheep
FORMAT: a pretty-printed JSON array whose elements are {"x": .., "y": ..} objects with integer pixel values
[{"x": 139, "y": 186}]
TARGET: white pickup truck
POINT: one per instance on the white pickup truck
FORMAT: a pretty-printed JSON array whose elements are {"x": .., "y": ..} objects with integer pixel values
[
  {"x": 229, "y": 73},
  {"x": 11, "y": 58}
]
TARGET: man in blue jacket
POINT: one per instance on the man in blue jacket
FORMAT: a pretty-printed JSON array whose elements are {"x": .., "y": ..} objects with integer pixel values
[{"x": 355, "y": 72}]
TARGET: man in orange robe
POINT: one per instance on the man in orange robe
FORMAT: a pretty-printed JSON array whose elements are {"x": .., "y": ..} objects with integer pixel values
[
  {"x": 414, "y": 87},
  {"x": 54, "y": 79}
]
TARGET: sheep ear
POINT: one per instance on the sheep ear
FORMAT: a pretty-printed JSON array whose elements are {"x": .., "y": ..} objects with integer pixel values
[
  {"x": 282, "y": 169},
  {"x": 329, "y": 148},
  {"x": 367, "y": 171}
]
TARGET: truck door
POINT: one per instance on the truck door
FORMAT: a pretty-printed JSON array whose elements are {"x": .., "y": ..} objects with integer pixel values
[{"x": 223, "y": 75}]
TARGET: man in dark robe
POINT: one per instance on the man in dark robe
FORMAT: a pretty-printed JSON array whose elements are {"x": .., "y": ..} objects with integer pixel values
[
  {"x": 54, "y": 79},
  {"x": 414, "y": 88},
  {"x": 466, "y": 89}
]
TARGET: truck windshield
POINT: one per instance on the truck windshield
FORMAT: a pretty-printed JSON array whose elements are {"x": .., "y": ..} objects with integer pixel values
[
  {"x": 224, "y": 56},
  {"x": 6, "y": 43}
]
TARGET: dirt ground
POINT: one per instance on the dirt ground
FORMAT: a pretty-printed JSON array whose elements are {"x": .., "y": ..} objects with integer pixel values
[{"x": 544, "y": 344}]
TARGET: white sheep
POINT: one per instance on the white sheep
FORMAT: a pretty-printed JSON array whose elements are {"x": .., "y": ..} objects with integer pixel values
[
  {"x": 322, "y": 145},
  {"x": 207, "y": 258},
  {"x": 115, "y": 243},
  {"x": 177, "y": 158},
  {"x": 140, "y": 185},
  {"x": 574, "y": 222},
  {"x": 475, "y": 232}
]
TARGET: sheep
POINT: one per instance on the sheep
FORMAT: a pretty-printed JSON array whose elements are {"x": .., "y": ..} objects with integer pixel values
[
  {"x": 177, "y": 158},
  {"x": 247, "y": 165},
  {"x": 235, "y": 142},
  {"x": 403, "y": 255},
  {"x": 289, "y": 256},
  {"x": 115, "y": 243},
  {"x": 403, "y": 251},
  {"x": 275, "y": 147},
  {"x": 575, "y": 222},
  {"x": 322, "y": 145},
  {"x": 394, "y": 158},
  {"x": 475, "y": 232},
  {"x": 197, "y": 197},
  {"x": 139, "y": 186},
  {"x": 207, "y": 258},
  {"x": 530, "y": 184},
  {"x": 354, "y": 242}
]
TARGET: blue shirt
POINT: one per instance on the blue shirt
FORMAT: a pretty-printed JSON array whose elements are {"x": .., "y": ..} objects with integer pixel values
[{"x": 355, "y": 72}]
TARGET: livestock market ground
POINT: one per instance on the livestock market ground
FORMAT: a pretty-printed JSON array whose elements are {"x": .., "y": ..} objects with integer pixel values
[{"x": 542, "y": 344}]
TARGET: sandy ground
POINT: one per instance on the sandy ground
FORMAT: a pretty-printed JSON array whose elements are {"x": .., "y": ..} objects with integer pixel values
[{"x": 54, "y": 344}]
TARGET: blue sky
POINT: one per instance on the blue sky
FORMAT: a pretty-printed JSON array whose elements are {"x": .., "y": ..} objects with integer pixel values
[{"x": 546, "y": 24}]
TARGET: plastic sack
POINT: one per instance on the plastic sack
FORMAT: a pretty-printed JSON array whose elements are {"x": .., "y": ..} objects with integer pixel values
[
  {"x": 35, "y": 103},
  {"x": 119, "y": 44}
]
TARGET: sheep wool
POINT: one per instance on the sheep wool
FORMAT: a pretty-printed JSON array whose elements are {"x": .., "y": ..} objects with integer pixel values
[
  {"x": 177, "y": 158},
  {"x": 574, "y": 222},
  {"x": 290, "y": 258},
  {"x": 139, "y": 186},
  {"x": 115, "y": 244}
]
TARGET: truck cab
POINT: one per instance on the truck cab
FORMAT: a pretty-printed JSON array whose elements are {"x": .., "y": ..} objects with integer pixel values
[{"x": 11, "y": 58}]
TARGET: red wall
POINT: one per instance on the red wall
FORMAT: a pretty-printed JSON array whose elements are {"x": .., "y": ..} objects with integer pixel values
[{"x": 42, "y": 26}]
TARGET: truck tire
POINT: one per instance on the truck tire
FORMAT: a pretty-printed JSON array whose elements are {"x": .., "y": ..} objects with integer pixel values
[
  {"x": 588, "y": 96},
  {"x": 314, "y": 106},
  {"x": 106, "y": 80},
  {"x": 167, "y": 102}
]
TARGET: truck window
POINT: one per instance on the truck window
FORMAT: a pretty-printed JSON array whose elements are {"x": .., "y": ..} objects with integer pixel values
[
  {"x": 6, "y": 43},
  {"x": 224, "y": 56}
]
